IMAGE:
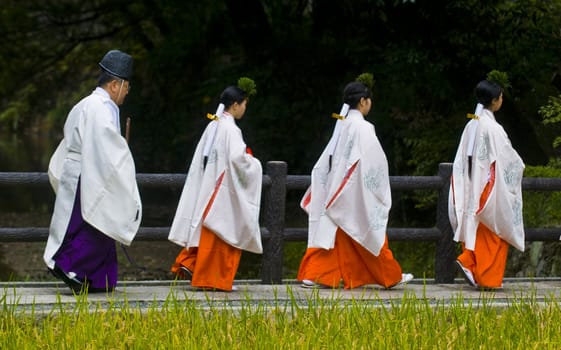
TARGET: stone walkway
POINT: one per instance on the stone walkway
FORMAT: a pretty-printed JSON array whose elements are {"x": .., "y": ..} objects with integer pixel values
[{"x": 44, "y": 296}]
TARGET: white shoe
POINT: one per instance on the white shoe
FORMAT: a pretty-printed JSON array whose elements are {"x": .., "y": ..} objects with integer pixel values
[
  {"x": 234, "y": 288},
  {"x": 187, "y": 274},
  {"x": 468, "y": 276},
  {"x": 405, "y": 278},
  {"x": 311, "y": 284}
]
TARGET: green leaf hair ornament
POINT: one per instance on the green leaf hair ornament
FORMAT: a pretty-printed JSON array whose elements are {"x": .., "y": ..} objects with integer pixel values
[
  {"x": 500, "y": 78},
  {"x": 248, "y": 86},
  {"x": 367, "y": 79}
]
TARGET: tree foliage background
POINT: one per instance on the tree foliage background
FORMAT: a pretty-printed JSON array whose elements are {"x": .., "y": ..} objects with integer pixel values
[{"x": 426, "y": 57}]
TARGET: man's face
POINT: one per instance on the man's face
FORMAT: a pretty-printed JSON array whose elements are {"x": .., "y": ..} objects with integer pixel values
[
  {"x": 124, "y": 89},
  {"x": 118, "y": 90}
]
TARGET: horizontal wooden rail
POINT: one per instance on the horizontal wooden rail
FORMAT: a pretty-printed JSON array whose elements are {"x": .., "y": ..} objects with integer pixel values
[
  {"x": 276, "y": 182},
  {"x": 293, "y": 182},
  {"x": 39, "y": 234}
]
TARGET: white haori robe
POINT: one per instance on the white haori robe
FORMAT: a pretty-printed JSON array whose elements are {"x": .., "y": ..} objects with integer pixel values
[
  {"x": 354, "y": 194},
  {"x": 502, "y": 212},
  {"x": 94, "y": 153},
  {"x": 235, "y": 177}
]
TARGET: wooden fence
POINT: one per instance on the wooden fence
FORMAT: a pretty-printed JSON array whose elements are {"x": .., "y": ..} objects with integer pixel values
[{"x": 276, "y": 183}]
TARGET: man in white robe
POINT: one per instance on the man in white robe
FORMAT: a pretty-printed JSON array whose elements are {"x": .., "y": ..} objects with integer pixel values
[
  {"x": 485, "y": 202},
  {"x": 93, "y": 175}
]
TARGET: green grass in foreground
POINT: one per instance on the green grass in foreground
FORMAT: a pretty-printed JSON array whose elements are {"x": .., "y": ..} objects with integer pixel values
[{"x": 409, "y": 323}]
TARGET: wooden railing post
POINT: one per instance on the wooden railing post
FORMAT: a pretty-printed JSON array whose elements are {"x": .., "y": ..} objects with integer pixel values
[
  {"x": 273, "y": 219},
  {"x": 444, "y": 267}
]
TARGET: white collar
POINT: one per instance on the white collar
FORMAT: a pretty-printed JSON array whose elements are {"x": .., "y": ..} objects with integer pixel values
[
  {"x": 355, "y": 114},
  {"x": 488, "y": 114},
  {"x": 113, "y": 106},
  {"x": 227, "y": 116},
  {"x": 101, "y": 91}
]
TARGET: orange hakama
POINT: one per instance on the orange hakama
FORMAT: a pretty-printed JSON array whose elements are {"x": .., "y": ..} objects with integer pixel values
[
  {"x": 487, "y": 262},
  {"x": 213, "y": 263},
  {"x": 350, "y": 262}
]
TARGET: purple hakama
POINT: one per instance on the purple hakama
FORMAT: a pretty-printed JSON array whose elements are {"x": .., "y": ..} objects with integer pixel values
[{"x": 87, "y": 252}]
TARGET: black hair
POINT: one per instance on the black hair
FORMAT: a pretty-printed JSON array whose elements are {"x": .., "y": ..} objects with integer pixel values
[
  {"x": 106, "y": 77},
  {"x": 232, "y": 94},
  {"x": 486, "y": 91},
  {"x": 354, "y": 91}
]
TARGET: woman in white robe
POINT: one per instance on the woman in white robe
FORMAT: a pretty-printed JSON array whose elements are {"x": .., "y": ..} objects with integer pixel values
[
  {"x": 485, "y": 203},
  {"x": 348, "y": 204},
  {"x": 218, "y": 213}
]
